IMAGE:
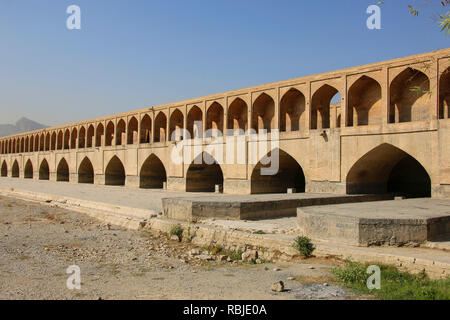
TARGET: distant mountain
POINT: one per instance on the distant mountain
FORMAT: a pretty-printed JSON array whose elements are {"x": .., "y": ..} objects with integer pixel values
[{"x": 22, "y": 125}]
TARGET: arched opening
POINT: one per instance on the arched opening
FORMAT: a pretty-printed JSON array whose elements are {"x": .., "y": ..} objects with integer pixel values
[
  {"x": 22, "y": 145},
  {"x": 195, "y": 122},
  {"x": 120, "y": 135},
  {"x": 27, "y": 144},
  {"x": 66, "y": 139},
  {"x": 263, "y": 115},
  {"x": 444, "y": 95},
  {"x": 15, "y": 170},
  {"x": 47, "y": 142},
  {"x": 320, "y": 106},
  {"x": 42, "y": 143},
  {"x": 132, "y": 131},
  {"x": 62, "y": 172},
  {"x": 204, "y": 174},
  {"x": 388, "y": 169},
  {"x": 237, "y": 116},
  {"x": 90, "y": 137},
  {"x": 214, "y": 120},
  {"x": 73, "y": 138},
  {"x": 86, "y": 171},
  {"x": 146, "y": 129},
  {"x": 115, "y": 173},
  {"x": 364, "y": 102},
  {"x": 292, "y": 111},
  {"x": 28, "y": 172},
  {"x": 99, "y": 135},
  {"x": 44, "y": 171},
  {"x": 410, "y": 98},
  {"x": 153, "y": 174},
  {"x": 289, "y": 175},
  {"x": 176, "y": 125},
  {"x": 109, "y": 135},
  {"x": 59, "y": 144},
  {"x": 160, "y": 127},
  {"x": 36, "y": 143},
  {"x": 4, "y": 169},
  {"x": 82, "y": 138},
  {"x": 53, "y": 145}
]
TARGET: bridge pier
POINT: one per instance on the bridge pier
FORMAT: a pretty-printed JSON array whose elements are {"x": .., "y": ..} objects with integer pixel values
[{"x": 132, "y": 182}]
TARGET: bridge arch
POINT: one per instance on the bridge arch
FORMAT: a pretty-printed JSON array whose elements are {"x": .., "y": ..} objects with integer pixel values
[
  {"x": 132, "y": 131},
  {"x": 109, "y": 134},
  {"x": 292, "y": 111},
  {"x": 160, "y": 127},
  {"x": 263, "y": 114},
  {"x": 115, "y": 173},
  {"x": 82, "y": 138},
  {"x": 59, "y": 144},
  {"x": 66, "y": 144},
  {"x": 214, "y": 120},
  {"x": 15, "y": 170},
  {"x": 28, "y": 172},
  {"x": 388, "y": 169},
  {"x": 62, "y": 171},
  {"x": 204, "y": 174},
  {"x": 4, "y": 169},
  {"x": 289, "y": 175},
  {"x": 120, "y": 132},
  {"x": 146, "y": 129},
  {"x": 410, "y": 99},
  {"x": 176, "y": 124},
  {"x": 73, "y": 138},
  {"x": 320, "y": 106},
  {"x": 238, "y": 116},
  {"x": 194, "y": 117},
  {"x": 153, "y": 174},
  {"x": 86, "y": 171},
  {"x": 364, "y": 102},
  {"x": 44, "y": 170},
  {"x": 444, "y": 95}
]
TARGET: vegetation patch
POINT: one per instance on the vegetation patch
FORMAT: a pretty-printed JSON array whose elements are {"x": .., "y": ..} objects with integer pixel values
[
  {"x": 395, "y": 284},
  {"x": 218, "y": 250},
  {"x": 177, "y": 231},
  {"x": 304, "y": 246}
]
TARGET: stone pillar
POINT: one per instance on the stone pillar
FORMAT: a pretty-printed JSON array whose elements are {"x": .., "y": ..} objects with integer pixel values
[
  {"x": 385, "y": 97},
  {"x": 355, "y": 117},
  {"x": 132, "y": 181}
]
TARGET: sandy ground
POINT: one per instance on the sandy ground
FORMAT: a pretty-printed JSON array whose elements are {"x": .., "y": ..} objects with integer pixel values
[{"x": 39, "y": 242}]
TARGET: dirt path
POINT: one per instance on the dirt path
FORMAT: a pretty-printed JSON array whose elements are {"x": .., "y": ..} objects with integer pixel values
[{"x": 39, "y": 242}]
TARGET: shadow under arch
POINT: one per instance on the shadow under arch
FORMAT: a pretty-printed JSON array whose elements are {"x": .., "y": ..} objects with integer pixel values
[
  {"x": 115, "y": 173},
  {"x": 204, "y": 174},
  {"x": 289, "y": 175},
  {"x": 86, "y": 171},
  {"x": 44, "y": 170},
  {"x": 153, "y": 174},
  {"x": 28, "y": 173},
  {"x": 388, "y": 169},
  {"x": 62, "y": 172},
  {"x": 15, "y": 170},
  {"x": 4, "y": 169}
]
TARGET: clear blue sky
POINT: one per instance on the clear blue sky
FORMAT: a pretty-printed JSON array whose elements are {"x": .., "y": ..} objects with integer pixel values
[{"x": 139, "y": 53}]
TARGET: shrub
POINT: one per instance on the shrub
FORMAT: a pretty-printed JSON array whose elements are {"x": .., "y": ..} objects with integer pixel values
[
  {"x": 304, "y": 246},
  {"x": 177, "y": 231}
]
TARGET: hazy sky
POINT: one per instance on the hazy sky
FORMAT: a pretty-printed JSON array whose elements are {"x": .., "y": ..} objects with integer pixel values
[{"x": 139, "y": 53}]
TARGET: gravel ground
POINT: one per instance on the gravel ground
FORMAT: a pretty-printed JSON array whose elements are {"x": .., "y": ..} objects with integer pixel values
[{"x": 39, "y": 242}]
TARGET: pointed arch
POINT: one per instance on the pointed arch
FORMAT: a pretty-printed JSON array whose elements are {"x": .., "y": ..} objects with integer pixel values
[
  {"x": 289, "y": 174},
  {"x": 132, "y": 131},
  {"x": 73, "y": 138},
  {"x": 120, "y": 132},
  {"x": 238, "y": 116},
  {"x": 292, "y": 111},
  {"x": 146, "y": 129},
  {"x": 60, "y": 140},
  {"x": 100, "y": 132},
  {"x": 66, "y": 144},
  {"x": 160, "y": 127},
  {"x": 195, "y": 122},
  {"x": 444, "y": 95},
  {"x": 204, "y": 174},
  {"x": 44, "y": 170},
  {"x": 47, "y": 142},
  {"x": 320, "y": 106},
  {"x": 86, "y": 171},
  {"x": 62, "y": 171},
  {"x": 410, "y": 99},
  {"x": 364, "y": 102},
  {"x": 27, "y": 144},
  {"x": 28, "y": 171},
  {"x": 109, "y": 134},
  {"x": 214, "y": 120},
  {"x": 53, "y": 141},
  {"x": 82, "y": 138},
  {"x": 176, "y": 125},
  {"x": 153, "y": 174},
  {"x": 15, "y": 170},
  {"x": 4, "y": 169},
  {"x": 388, "y": 169},
  {"x": 115, "y": 173},
  {"x": 90, "y": 136},
  {"x": 263, "y": 114},
  {"x": 22, "y": 145}
]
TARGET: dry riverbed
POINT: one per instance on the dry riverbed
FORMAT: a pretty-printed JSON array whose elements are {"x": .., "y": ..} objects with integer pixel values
[{"x": 39, "y": 242}]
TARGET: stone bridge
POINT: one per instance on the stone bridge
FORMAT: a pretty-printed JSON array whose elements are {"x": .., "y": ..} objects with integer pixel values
[{"x": 377, "y": 128}]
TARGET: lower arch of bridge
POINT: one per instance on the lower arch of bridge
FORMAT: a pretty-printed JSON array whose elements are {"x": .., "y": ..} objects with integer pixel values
[
  {"x": 15, "y": 170},
  {"x": 115, "y": 173},
  {"x": 44, "y": 171},
  {"x": 28, "y": 172},
  {"x": 289, "y": 175},
  {"x": 204, "y": 174},
  {"x": 4, "y": 169},
  {"x": 62, "y": 172},
  {"x": 388, "y": 169},
  {"x": 86, "y": 172},
  {"x": 153, "y": 174}
]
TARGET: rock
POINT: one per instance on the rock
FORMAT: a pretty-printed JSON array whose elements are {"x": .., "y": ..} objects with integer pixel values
[
  {"x": 205, "y": 257},
  {"x": 258, "y": 261},
  {"x": 311, "y": 267},
  {"x": 174, "y": 238},
  {"x": 278, "y": 286},
  {"x": 291, "y": 278},
  {"x": 220, "y": 258},
  {"x": 276, "y": 269},
  {"x": 325, "y": 284},
  {"x": 194, "y": 252},
  {"x": 250, "y": 256}
]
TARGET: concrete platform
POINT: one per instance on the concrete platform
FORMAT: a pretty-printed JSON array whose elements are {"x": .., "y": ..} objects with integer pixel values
[
  {"x": 249, "y": 207},
  {"x": 377, "y": 223}
]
